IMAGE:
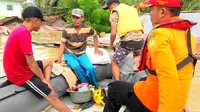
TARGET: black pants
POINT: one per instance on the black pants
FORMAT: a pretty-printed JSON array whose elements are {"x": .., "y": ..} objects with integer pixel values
[{"x": 122, "y": 93}]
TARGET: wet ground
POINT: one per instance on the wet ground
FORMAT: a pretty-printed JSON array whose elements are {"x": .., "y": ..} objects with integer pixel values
[{"x": 41, "y": 52}]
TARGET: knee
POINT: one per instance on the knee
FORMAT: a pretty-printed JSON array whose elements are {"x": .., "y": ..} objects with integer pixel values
[
  {"x": 75, "y": 66},
  {"x": 90, "y": 68},
  {"x": 114, "y": 63},
  {"x": 50, "y": 64},
  {"x": 111, "y": 87},
  {"x": 47, "y": 63},
  {"x": 115, "y": 86},
  {"x": 52, "y": 96}
]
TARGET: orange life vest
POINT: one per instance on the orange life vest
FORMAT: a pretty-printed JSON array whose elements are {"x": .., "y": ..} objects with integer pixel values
[{"x": 174, "y": 24}]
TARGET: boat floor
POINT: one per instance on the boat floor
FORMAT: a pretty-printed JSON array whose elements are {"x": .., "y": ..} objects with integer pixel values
[{"x": 67, "y": 102}]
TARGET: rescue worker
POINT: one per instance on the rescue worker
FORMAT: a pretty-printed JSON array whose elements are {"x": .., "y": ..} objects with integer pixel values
[
  {"x": 126, "y": 23},
  {"x": 168, "y": 58}
]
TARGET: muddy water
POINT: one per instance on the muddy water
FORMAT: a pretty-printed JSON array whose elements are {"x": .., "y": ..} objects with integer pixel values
[
  {"x": 2, "y": 43},
  {"x": 40, "y": 52}
]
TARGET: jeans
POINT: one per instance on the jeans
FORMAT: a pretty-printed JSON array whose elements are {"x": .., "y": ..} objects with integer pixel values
[{"x": 83, "y": 68}]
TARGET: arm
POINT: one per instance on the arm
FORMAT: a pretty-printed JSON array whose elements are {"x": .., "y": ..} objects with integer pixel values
[
  {"x": 96, "y": 50},
  {"x": 62, "y": 46},
  {"x": 164, "y": 63},
  {"x": 95, "y": 38},
  {"x": 114, "y": 24},
  {"x": 60, "y": 52},
  {"x": 113, "y": 34},
  {"x": 34, "y": 66}
]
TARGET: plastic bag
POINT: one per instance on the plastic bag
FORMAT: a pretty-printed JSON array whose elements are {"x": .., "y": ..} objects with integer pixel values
[{"x": 96, "y": 59}]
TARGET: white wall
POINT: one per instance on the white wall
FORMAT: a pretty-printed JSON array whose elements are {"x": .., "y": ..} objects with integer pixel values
[
  {"x": 195, "y": 17},
  {"x": 7, "y": 13}
]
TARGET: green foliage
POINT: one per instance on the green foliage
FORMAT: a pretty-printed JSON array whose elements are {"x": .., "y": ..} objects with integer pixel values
[
  {"x": 38, "y": 3},
  {"x": 17, "y": 24},
  {"x": 128, "y": 2},
  {"x": 132, "y": 2},
  {"x": 35, "y": 34},
  {"x": 94, "y": 15},
  {"x": 26, "y": 4},
  {"x": 1, "y": 17},
  {"x": 98, "y": 20},
  {"x": 88, "y": 6},
  {"x": 191, "y": 4},
  {"x": 68, "y": 3},
  {"x": 52, "y": 3},
  {"x": 46, "y": 3},
  {"x": 67, "y": 6}
]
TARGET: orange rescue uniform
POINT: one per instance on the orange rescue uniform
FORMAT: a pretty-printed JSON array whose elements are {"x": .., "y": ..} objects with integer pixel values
[{"x": 169, "y": 90}]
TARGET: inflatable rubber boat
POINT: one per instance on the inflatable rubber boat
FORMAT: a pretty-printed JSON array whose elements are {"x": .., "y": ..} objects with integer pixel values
[{"x": 19, "y": 99}]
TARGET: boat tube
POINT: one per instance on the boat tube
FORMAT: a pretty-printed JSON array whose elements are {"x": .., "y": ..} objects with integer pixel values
[{"x": 18, "y": 99}]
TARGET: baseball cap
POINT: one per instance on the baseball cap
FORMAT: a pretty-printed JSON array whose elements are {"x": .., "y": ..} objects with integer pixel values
[
  {"x": 109, "y": 2},
  {"x": 77, "y": 12},
  {"x": 33, "y": 11},
  {"x": 165, "y": 3}
]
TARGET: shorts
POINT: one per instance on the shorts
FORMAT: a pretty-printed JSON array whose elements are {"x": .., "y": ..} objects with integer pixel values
[
  {"x": 120, "y": 54},
  {"x": 39, "y": 88},
  {"x": 134, "y": 46}
]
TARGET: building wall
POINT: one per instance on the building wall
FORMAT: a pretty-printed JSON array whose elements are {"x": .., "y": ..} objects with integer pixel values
[
  {"x": 14, "y": 5},
  {"x": 189, "y": 16}
]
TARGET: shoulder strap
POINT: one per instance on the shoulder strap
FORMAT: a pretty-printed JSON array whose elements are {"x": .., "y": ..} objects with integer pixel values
[
  {"x": 187, "y": 60},
  {"x": 190, "y": 57}
]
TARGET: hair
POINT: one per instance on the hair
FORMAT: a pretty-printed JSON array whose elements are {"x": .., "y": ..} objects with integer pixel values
[
  {"x": 116, "y": 3},
  {"x": 174, "y": 11},
  {"x": 27, "y": 19}
]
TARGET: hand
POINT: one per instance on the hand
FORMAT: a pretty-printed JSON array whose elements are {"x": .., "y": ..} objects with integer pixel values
[
  {"x": 58, "y": 60},
  {"x": 136, "y": 63},
  {"x": 111, "y": 46},
  {"x": 48, "y": 83},
  {"x": 98, "y": 52}
]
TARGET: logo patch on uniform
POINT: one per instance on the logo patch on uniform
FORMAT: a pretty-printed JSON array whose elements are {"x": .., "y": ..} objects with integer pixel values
[{"x": 152, "y": 41}]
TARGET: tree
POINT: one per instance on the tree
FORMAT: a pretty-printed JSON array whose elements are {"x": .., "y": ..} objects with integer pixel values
[
  {"x": 191, "y": 4},
  {"x": 93, "y": 13},
  {"x": 28, "y": 3}
]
